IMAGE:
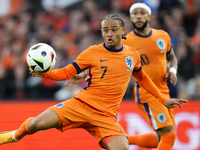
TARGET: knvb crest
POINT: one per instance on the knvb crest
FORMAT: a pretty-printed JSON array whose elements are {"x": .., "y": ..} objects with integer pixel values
[
  {"x": 161, "y": 44},
  {"x": 161, "y": 118},
  {"x": 129, "y": 62}
]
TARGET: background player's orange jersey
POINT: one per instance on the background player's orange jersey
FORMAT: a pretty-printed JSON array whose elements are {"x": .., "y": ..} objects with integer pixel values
[
  {"x": 153, "y": 49},
  {"x": 108, "y": 72}
]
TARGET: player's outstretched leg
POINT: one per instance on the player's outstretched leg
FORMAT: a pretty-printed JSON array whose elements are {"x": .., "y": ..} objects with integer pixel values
[
  {"x": 148, "y": 140},
  {"x": 47, "y": 119},
  {"x": 10, "y": 136}
]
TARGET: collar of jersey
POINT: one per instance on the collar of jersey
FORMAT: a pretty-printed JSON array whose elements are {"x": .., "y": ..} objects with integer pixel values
[
  {"x": 113, "y": 50},
  {"x": 143, "y": 36}
]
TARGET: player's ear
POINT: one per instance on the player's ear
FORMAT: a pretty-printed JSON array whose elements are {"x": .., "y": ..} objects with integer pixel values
[
  {"x": 123, "y": 30},
  {"x": 150, "y": 16}
]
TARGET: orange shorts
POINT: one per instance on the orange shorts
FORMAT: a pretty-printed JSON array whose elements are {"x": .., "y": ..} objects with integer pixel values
[
  {"x": 75, "y": 113},
  {"x": 157, "y": 114}
]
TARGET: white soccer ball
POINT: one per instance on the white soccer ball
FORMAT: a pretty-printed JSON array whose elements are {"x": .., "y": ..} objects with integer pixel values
[{"x": 41, "y": 57}]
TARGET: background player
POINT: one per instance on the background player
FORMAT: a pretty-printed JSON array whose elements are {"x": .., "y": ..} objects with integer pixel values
[
  {"x": 110, "y": 66},
  {"x": 154, "y": 47}
]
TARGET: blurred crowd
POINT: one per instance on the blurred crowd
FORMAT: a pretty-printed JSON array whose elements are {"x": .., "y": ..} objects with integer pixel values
[{"x": 70, "y": 30}]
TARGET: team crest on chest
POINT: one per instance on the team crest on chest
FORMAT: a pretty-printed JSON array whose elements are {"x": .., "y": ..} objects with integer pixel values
[
  {"x": 129, "y": 62},
  {"x": 161, "y": 45}
]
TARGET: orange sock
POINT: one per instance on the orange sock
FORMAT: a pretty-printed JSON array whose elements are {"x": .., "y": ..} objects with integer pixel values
[
  {"x": 167, "y": 141},
  {"x": 23, "y": 129},
  {"x": 145, "y": 140}
]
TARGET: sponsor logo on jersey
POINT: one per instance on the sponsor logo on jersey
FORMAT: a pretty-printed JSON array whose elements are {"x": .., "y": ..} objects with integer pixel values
[
  {"x": 101, "y": 60},
  {"x": 161, "y": 118},
  {"x": 60, "y": 105},
  {"x": 161, "y": 45},
  {"x": 129, "y": 62}
]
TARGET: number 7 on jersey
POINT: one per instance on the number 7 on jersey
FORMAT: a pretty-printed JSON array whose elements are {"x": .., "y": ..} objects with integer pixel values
[{"x": 104, "y": 72}]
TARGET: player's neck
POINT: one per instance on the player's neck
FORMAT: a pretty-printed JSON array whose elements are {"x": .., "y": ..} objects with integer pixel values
[{"x": 144, "y": 32}]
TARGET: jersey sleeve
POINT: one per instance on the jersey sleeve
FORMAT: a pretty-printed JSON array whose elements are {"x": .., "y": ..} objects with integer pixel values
[
  {"x": 61, "y": 74},
  {"x": 143, "y": 79},
  {"x": 79, "y": 64},
  {"x": 85, "y": 59}
]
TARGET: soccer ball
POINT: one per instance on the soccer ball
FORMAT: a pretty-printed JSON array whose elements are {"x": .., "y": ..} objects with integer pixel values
[{"x": 41, "y": 57}]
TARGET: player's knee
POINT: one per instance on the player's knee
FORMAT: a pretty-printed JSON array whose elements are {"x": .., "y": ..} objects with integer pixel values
[
  {"x": 118, "y": 143},
  {"x": 125, "y": 147},
  {"x": 119, "y": 147}
]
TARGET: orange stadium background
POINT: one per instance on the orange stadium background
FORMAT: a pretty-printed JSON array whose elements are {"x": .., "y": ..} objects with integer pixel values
[{"x": 13, "y": 113}]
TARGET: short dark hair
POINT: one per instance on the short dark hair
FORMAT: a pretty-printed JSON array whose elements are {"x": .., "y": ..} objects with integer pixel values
[{"x": 115, "y": 17}]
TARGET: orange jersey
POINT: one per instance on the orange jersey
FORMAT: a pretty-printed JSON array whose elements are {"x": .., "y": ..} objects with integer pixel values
[
  {"x": 108, "y": 72},
  {"x": 153, "y": 50}
]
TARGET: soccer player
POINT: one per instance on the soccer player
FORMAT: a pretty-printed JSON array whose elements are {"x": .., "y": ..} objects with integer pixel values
[
  {"x": 109, "y": 67},
  {"x": 154, "y": 47}
]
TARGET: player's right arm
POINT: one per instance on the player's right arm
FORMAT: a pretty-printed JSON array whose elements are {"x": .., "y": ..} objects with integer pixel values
[
  {"x": 57, "y": 74},
  {"x": 65, "y": 73}
]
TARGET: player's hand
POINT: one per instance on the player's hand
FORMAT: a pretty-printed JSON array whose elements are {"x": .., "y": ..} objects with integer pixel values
[
  {"x": 75, "y": 79},
  {"x": 170, "y": 103},
  {"x": 34, "y": 74},
  {"x": 172, "y": 76},
  {"x": 72, "y": 81}
]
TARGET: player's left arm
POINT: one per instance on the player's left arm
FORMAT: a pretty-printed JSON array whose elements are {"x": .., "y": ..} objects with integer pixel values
[
  {"x": 173, "y": 65},
  {"x": 144, "y": 80}
]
